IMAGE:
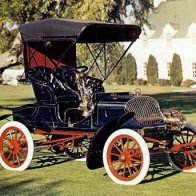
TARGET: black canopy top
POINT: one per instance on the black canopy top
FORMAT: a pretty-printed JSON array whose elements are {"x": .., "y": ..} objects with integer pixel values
[{"x": 82, "y": 31}]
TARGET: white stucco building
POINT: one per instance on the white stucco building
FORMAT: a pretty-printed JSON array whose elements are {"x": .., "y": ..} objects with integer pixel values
[{"x": 173, "y": 30}]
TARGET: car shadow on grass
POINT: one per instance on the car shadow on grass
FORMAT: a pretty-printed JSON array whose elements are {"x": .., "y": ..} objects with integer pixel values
[
  {"x": 47, "y": 159},
  {"x": 159, "y": 166},
  {"x": 31, "y": 186},
  {"x": 7, "y": 186},
  {"x": 159, "y": 169}
]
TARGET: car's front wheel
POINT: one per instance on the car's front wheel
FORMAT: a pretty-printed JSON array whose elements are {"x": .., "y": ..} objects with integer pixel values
[{"x": 126, "y": 157}]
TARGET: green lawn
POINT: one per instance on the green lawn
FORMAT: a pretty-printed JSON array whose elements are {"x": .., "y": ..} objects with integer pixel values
[
  {"x": 50, "y": 174},
  {"x": 54, "y": 175}
]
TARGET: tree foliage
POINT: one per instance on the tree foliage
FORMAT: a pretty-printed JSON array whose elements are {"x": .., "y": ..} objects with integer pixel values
[
  {"x": 176, "y": 71},
  {"x": 89, "y": 10},
  {"x": 17, "y": 12},
  {"x": 131, "y": 69},
  {"x": 126, "y": 72},
  {"x": 152, "y": 70},
  {"x": 107, "y": 63},
  {"x": 23, "y": 11},
  {"x": 110, "y": 10}
]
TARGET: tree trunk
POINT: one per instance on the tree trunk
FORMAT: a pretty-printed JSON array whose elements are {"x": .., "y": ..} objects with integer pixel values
[{"x": 11, "y": 57}]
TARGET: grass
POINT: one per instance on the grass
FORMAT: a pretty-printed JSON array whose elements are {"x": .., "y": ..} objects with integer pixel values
[
  {"x": 13, "y": 96},
  {"x": 144, "y": 89},
  {"x": 53, "y": 175},
  {"x": 50, "y": 174}
]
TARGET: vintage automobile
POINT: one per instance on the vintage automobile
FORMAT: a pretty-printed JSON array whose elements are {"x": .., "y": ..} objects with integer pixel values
[{"x": 74, "y": 114}]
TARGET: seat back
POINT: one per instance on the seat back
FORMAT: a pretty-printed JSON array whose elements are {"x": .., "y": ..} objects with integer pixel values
[
  {"x": 40, "y": 78},
  {"x": 47, "y": 87}
]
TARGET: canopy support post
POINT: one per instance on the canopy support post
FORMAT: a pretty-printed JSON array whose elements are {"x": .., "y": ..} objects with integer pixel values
[{"x": 106, "y": 77}]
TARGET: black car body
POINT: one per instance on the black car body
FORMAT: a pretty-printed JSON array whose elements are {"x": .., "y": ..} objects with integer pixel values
[{"x": 76, "y": 115}]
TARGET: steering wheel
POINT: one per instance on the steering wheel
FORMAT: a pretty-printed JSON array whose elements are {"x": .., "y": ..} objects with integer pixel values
[{"x": 81, "y": 69}]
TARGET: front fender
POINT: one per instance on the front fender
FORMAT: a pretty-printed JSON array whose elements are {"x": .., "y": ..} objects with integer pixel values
[
  {"x": 5, "y": 116},
  {"x": 94, "y": 157}
]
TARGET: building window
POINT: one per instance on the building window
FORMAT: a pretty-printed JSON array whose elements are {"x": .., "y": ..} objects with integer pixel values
[{"x": 194, "y": 69}]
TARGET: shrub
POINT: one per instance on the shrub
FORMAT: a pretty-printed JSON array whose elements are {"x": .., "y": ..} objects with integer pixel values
[
  {"x": 188, "y": 83},
  {"x": 176, "y": 71},
  {"x": 140, "y": 82},
  {"x": 164, "y": 82},
  {"x": 152, "y": 70},
  {"x": 131, "y": 69}
]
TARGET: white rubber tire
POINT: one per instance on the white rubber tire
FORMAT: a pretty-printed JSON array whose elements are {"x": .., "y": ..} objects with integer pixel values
[
  {"x": 172, "y": 163},
  {"x": 177, "y": 168},
  {"x": 145, "y": 154},
  {"x": 30, "y": 145}
]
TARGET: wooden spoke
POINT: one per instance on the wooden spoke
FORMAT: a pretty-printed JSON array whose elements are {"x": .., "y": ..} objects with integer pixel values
[
  {"x": 114, "y": 154},
  {"x": 124, "y": 170},
  {"x": 128, "y": 143},
  {"x": 178, "y": 140},
  {"x": 183, "y": 139},
  {"x": 136, "y": 169},
  {"x": 21, "y": 136},
  {"x": 117, "y": 148},
  {"x": 119, "y": 167},
  {"x": 133, "y": 147},
  {"x": 129, "y": 169},
  {"x": 21, "y": 155},
  {"x": 136, "y": 160},
  {"x": 9, "y": 156}
]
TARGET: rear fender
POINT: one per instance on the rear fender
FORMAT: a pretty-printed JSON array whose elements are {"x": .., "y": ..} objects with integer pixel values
[{"x": 94, "y": 157}]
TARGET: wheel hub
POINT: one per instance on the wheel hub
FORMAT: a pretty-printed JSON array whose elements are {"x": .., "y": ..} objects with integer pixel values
[
  {"x": 125, "y": 157},
  {"x": 14, "y": 146}
]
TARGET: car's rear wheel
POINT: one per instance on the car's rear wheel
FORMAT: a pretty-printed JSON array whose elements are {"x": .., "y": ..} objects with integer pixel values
[
  {"x": 126, "y": 157},
  {"x": 16, "y": 146},
  {"x": 77, "y": 149},
  {"x": 185, "y": 158}
]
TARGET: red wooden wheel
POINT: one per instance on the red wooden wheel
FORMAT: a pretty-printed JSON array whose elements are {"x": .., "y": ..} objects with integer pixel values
[
  {"x": 126, "y": 157},
  {"x": 185, "y": 158},
  {"x": 73, "y": 148},
  {"x": 77, "y": 149},
  {"x": 16, "y": 146}
]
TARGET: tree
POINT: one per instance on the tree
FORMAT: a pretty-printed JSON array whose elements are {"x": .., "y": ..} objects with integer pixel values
[
  {"x": 152, "y": 70},
  {"x": 89, "y": 10},
  {"x": 119, "y": 73},
  {"x": 131, "y": 69},
  {"x": 110, "y": 10},
  {"x": 176, "y": 71},
  {"x": 126, "y": 72},
  {"x": 135, "y": 11},
  {"x": 17, "y": 12}
]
